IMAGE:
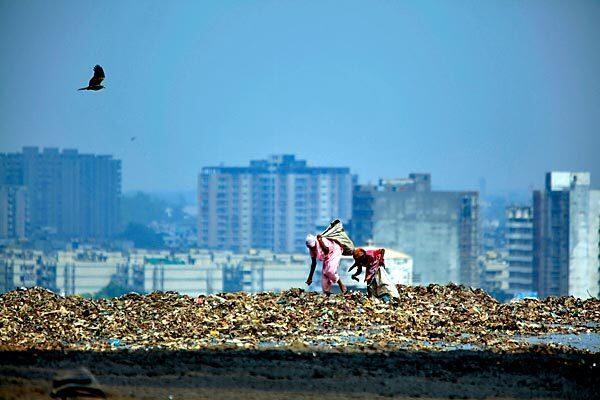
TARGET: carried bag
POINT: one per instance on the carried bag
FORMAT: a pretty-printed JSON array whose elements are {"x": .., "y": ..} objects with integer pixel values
[{"x": 336, "y": 232}]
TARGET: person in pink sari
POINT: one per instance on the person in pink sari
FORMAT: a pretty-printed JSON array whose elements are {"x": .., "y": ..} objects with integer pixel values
[{"x": 330, "y": 253}]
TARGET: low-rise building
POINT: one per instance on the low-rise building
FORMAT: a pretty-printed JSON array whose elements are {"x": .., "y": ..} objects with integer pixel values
[
  {"x": 26, "y": 268},
  {"x": 195, "y": 272},
  {"x": 85, "y": 271},
  {"x": 495, "y": 272}
]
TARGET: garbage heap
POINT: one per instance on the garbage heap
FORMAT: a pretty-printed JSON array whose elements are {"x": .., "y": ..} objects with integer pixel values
[{"x": 433, "y": 317}]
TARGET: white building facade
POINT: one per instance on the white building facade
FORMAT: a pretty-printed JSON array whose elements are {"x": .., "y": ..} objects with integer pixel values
[{"x": 86, "y": 271}]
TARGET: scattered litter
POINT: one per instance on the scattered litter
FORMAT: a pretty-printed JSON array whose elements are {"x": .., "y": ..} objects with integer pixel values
[{"x": 434, "y": 317}]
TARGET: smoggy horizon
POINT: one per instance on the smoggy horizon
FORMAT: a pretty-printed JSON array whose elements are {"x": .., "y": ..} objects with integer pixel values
[{"x": 505, "y": 91}]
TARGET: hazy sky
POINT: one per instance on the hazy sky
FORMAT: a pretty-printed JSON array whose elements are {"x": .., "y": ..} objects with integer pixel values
[{"x": 505, "y": 90}]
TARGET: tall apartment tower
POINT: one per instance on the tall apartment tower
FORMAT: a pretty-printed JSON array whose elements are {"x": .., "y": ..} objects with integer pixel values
[
  {"x": 68, "y": 194},
  {"x": 438, "y": 229},
  {"x": 271, "y": 204},
  {"x": 519, "y": 243},
  {"x": 566, "y": 219}
]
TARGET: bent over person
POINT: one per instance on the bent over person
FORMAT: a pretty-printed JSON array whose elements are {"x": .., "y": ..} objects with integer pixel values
[
  {"x": 378, "y": 282},
  {"x": 330, "y": 253}
]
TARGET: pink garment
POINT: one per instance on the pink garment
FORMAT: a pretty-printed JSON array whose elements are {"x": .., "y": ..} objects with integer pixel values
[{"x": 331, "y": 262}]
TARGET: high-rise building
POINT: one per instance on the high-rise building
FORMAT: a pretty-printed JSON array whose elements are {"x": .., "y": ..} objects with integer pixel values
[
  {"x": 566, "y": 217},
  {"x": 519, "y": 243},
  {"x": 271, "y": 204},
  {"x": 14, "y": 213},
  {"x": 68, "y": 194},
  {"x": 437, "y": 228},
  {"x": 361, "y": 226}
]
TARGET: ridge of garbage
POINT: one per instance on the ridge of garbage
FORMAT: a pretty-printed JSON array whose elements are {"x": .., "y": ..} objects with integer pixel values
[{"x": 433, "y": 317}]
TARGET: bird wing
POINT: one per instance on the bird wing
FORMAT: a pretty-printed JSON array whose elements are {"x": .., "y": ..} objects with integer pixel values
[{"x": 98, "y": 76}]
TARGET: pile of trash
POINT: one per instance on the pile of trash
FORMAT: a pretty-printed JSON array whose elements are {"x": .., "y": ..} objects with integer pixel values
[{"x": 431, "y": 317}]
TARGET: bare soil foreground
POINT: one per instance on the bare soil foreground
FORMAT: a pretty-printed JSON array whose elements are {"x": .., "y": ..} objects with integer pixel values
[
  {"x": 435, "y": 342},
  {"x": 283, "y": 374}
]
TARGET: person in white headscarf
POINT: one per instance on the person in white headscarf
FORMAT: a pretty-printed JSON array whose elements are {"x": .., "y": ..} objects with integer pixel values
[{"x": 330, "y": 252}]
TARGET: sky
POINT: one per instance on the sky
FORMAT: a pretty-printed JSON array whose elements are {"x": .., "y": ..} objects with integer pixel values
[{"x": 502, "y": 90}]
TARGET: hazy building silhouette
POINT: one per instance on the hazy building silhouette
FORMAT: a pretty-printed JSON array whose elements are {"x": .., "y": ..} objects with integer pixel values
[
  {"x": 14, "y": 212},
  {"x": 495, "y": 273},
  {"x": 437, "y": 228},
  {"x": 26, "y": 268},
  {"x": 68, "y": 194},
  {"x": 270, "y": 204},
  {"x": 566, "y": 218},
  {"x": 519, "y": 243}
]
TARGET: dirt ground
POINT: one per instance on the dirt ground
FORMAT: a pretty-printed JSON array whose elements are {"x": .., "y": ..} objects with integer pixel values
[{"x": 284, "y": 374}]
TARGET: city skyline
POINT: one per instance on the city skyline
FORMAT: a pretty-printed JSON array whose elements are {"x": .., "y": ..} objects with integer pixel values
[
  {"x": 504, "y": 92},
  {"x": 550, "y": 247}
]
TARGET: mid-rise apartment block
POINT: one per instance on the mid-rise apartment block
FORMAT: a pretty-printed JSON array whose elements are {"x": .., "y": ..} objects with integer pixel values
[
  {"x": 68, "y": 194},
  {"x": 270, "y": 204},
  {"x": 437, "y": 228},
  {"x": 519, "y": 243},
  {"x": 566, "y": 224}
]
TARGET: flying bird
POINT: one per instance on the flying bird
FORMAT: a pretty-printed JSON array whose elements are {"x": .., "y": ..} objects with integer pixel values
[{"x": 96, "y": 81}]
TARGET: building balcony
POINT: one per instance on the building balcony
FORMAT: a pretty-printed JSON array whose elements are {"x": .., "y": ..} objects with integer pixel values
[
  {"x": 519, "y": 236},
  {"x": 520, "y": 247},
  {"x": 512, "y": 282},
  {"x": 519, "y": 224},
  {"x": 527, "y": 259},
  {"x": 521, "y": 269}
]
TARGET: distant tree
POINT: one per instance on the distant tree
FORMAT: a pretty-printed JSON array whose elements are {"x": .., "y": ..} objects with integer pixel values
[
  {"x": 142, "y": 208},
  {"x": 142, "y": 236},
  {"x": 113, "y": 289},
  {"x": 178, "y": 213}
]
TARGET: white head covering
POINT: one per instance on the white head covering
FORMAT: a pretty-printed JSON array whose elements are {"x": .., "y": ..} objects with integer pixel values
[{"x": 311, "y": 240}]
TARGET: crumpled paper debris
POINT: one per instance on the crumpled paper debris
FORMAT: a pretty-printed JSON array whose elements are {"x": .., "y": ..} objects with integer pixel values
[{"x": 433, "y": 317}]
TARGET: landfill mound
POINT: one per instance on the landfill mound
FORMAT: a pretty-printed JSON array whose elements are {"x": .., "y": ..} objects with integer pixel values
[{"x": 433, "y": 317}]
